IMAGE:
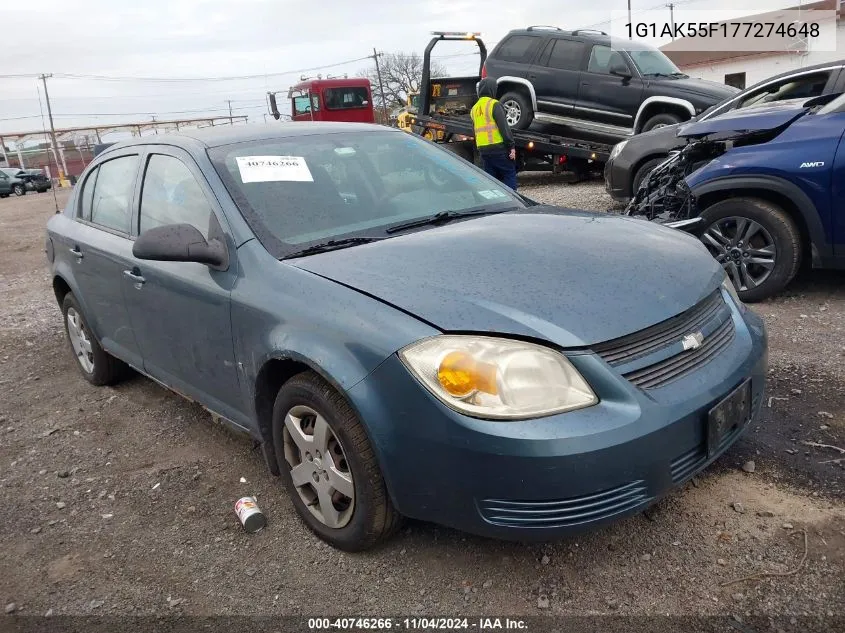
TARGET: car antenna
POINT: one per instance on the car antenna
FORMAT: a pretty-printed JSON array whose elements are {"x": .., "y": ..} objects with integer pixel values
[{"x": 56, "y": 158}]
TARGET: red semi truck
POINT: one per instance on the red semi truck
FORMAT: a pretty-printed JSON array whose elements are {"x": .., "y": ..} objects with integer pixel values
[{"x": 337, "y": 99}]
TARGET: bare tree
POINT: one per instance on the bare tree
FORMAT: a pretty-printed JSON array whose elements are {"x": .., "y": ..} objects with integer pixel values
[{"x": 400, "y": 74}]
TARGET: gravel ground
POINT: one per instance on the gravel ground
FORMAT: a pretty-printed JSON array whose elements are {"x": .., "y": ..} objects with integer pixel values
[{"x": 119, "y": 500}]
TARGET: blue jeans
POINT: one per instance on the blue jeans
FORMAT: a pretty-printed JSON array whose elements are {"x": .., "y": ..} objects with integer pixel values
[{"x": 498, "y": 165}]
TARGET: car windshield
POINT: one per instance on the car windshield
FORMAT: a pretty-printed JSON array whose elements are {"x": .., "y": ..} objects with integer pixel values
[
  {"x": 305, "y": 190},
  {"x": 837, "y": 105},
  {"x": 654, "y": 63}
]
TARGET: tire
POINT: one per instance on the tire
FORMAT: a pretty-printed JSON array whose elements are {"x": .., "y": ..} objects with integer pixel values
[
  {"x": 518, "y": 110},
  {"x": 4, "y": 195},
  {"x": 777, "y": 243},
  {"x": 19, "y": 190},
  {"x": 102, "y": 368},
  {"x": 367, "y": 517},
  {"x": 643, "y": 171},
  {"x": 660, "y": 120}
]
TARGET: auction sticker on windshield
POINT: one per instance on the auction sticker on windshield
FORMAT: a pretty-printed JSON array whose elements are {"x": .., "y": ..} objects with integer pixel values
[{"x": 274, "y": 169}]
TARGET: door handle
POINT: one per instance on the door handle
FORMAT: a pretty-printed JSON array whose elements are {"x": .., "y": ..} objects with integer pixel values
[
  {"x": 135, "y": 275},
  {"x": 76, "y": 252}
]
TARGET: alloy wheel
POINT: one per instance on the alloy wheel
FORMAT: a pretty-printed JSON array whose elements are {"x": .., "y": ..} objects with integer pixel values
[
  {"x": 80, "y": 340},
  {"x": 318, "y": 467},
  {"x": 744, "y": 248},
  {"x": 512, "y": 112}
]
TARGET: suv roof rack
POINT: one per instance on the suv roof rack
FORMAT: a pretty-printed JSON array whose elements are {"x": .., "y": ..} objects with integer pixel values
[
  {"x": 577, "y": 31},
  {"x": 542, "y": 27}
]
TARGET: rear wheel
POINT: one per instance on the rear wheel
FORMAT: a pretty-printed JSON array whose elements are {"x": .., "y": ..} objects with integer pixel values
[
  {"x": 518, "y": 110},
  {"x": 96, "y": 365},
  {"x": 661, "y": 120},
  {"x": 756, "y": 242},
  {"x": 329, "y": 466}
]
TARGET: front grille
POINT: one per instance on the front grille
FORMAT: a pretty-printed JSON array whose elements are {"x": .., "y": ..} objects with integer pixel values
[
  {"x": 565, "y": 512},
  {"x": 687, "y": 464},
  {"x": 676, "y": 367},
  {"x": 628, "y": 348}
]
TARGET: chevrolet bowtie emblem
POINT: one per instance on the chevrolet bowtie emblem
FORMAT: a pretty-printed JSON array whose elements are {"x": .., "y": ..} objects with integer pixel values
[{"x": 693, "y": 341}]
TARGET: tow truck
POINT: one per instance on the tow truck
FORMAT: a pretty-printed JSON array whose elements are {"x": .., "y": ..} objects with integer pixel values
[{"x": 443, "y": 114}]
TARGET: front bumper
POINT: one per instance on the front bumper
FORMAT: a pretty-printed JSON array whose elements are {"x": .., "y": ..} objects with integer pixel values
[
  {"x": 613, "y": 184},
  {"x": 572, "y": 471}
]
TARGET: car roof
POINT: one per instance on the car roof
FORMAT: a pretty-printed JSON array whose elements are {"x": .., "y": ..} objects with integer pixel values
[
  {"x": 228, "y": 135},
  {"x": 586, "y": 35},
  {"x": 797, "y": 71}
]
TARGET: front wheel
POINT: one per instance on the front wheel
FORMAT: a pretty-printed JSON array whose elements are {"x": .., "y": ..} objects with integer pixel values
[
  {"x": 757, "y": 244},
  {"x": 329, "y": 467},
  {"x": 19, "y": 190},
  {"x": 518, "y": 110},
  {"x": 660, "y": 120}
]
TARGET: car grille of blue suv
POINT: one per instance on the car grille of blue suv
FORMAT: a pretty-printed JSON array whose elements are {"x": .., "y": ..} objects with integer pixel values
[{"x": 631, "y": 354}]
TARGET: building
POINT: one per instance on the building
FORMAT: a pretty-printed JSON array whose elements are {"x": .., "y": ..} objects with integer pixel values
[{"x": 745, "y": 68}]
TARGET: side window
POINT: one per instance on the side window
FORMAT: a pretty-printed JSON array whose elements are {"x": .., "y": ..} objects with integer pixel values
[
  {"x": 113, "y": 193},
  {"x": 87, "y": 196},
  {"x": 518, "y": 48},
  {"x": 601, "y": 58},
  {"x": 801, "y": 87},
  {"x": 171, "y": 195},
  {"x": 566, "y": 54},
  {"x": 301, "y": 104}
]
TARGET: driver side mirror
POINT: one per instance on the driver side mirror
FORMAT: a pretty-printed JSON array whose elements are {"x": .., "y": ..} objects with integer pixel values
[
  {"x": 180, "y": 243},
  {"x": 618, "y": 68}
]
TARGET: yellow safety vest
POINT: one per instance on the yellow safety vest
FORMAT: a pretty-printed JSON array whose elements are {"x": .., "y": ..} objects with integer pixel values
[{"x": 486, "y": 130}]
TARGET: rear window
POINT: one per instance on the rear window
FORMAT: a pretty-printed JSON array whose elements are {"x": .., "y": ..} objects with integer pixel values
[
  {"x": 344, "y": 98},
  {"x": 517, "y": 48}
]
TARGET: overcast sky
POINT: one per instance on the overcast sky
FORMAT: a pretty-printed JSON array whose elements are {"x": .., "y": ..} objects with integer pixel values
[{"x": 220, "y": 38}]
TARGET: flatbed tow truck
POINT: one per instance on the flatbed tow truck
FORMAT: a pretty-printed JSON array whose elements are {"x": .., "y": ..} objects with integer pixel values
[{"x": 444, "y": 111}]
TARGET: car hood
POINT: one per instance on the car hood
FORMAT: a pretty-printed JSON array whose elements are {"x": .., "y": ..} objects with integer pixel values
[
  {"x": 718, "y": 91},
  {"x": 759, "y": 119},
  {"x": 569, "y": 277}
]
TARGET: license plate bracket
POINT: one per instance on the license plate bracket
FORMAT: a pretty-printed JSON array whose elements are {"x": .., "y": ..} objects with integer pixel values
[{"x": 733, "y": 411}]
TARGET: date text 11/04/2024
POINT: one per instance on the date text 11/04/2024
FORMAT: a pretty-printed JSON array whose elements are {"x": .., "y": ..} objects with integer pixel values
[
  {"x": 416, "y": 624},
  {"x": 723, "y": 29}
]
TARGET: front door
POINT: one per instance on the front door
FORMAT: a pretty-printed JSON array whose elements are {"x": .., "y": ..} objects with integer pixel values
[
  {"x": 5, "y": 184},
  {"x": 181, "y": 310},
  {"x": 609, "y": 100},
  {"x": 98, "y": 249}
]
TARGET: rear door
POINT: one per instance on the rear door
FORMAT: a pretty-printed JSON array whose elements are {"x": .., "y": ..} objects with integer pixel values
[
  {"x": 98, "y": 248},
  {"x": 557, "y": 75},
  {"x": 181, "y": 310},
  {"x": 608, "y": 99},
  {"x": 5, "y": 184}
]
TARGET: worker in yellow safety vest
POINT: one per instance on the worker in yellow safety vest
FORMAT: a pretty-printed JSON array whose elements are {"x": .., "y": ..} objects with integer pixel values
[{"x": 493, "y": 136}]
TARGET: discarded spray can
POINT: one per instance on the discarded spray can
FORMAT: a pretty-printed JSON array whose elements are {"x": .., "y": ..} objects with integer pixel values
[{"x": 249, "y": 514}]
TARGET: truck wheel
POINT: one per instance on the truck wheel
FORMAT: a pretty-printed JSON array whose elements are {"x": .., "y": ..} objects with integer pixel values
[
  {"x": 661, "y": 120},
  {"x": 643, "y": 172},
  {"x": 756, "y": 242},
  {"x": 518, "y": 110}
]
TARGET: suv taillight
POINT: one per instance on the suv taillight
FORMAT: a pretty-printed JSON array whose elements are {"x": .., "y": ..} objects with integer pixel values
[{"x": 484, "y": 71}]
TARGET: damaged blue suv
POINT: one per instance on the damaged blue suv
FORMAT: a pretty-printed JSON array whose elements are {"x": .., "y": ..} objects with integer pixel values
[{"x": 764, "y": 189}]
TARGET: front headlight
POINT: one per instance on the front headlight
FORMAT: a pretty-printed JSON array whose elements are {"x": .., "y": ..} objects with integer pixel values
[
  {"x": 496, "y": 378},
  {"x": 617, "y": 149},
  {"x": 728, "y": 285}
]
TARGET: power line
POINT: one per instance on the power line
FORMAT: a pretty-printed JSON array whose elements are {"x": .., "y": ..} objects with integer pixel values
[{"x": 193, "y": 79}]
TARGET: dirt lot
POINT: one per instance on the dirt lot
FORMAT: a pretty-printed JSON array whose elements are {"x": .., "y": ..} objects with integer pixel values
[{"x": 119, "y": 500}]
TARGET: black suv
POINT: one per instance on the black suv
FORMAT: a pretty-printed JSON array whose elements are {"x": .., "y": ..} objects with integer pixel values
[{"x": 580, "y": 80}]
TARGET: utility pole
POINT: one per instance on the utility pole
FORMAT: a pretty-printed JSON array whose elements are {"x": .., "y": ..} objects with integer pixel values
[
  {"x": 630, "y": 26},
  {"x": 229, "y": 101},
  {"x": 380, "y": 87},
  {"x": 56, "y": 152},
  {"x": 671, "y": 6},
  {"x": 155, "y": 127}
]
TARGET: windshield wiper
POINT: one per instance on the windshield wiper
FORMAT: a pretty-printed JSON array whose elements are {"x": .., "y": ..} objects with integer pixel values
[
  {"x": 442, "y": 218},
  {"x": 332, "y": 245}
]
